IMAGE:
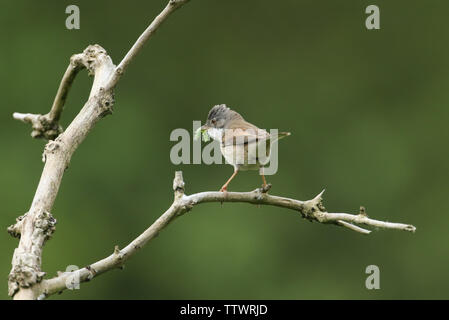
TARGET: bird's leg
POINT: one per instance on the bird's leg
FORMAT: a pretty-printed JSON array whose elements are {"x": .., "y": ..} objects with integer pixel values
[
  {"x": 225, "y": 186},
  {"x": 263, "y": 178},
  {"x": 265, "y": 187},
  {"x": 264, "y": 182}
]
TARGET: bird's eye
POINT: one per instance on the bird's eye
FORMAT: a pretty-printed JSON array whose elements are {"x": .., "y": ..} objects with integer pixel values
[{"x": 214, "y": 121}]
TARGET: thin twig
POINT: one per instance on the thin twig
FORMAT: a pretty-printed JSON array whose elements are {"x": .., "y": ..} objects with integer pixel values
[
  {"x": 353, "y": 227},
  {"x": 63, "y": 90},
  {"x": 137, "y": 47}
]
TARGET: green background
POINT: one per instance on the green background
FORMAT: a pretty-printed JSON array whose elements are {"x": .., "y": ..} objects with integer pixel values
[{"x": 368, "y": 112}]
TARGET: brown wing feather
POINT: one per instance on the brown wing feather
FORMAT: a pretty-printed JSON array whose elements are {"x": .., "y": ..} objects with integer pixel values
[{"x": 242, "y": 132}]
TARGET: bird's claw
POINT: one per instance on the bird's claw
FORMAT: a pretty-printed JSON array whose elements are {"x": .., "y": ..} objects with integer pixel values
[{"x": 265, "y": 188}]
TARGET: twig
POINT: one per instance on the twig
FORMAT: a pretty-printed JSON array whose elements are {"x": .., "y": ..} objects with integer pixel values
[
  {"x": 47, "y": 126},
  {"x": 64, "y": 88},
  {"x": 353, "y": 227},
  {"x": 137, "y": 47}
]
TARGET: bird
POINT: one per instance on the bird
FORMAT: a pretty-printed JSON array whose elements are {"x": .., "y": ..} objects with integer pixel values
[{"x": 242, "y": 144}]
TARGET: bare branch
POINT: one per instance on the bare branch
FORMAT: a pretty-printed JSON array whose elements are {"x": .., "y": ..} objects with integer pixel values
[
  {"x": 47, "y": 126},
  {"x": 353, "y": 227},
  {"x": 37, "y": 225},
  {"x": 42, "y": 125},
  {"x": 137, "y": 47},
  {"x": 311, "y": 209},
  {"x": 64, "y": 88}
]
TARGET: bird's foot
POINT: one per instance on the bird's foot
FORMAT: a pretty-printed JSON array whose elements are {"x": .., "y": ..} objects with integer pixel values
[
  {"x": 265, "y": 187},
  {"x": 224, "y": 189}
]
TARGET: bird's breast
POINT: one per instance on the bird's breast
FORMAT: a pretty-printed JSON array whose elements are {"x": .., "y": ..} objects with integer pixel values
[
  {"x": 215, "y": 133},
  {"x": 249, "y": 156}
]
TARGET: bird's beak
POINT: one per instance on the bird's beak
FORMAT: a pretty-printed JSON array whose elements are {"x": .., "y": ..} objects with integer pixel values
[{"x": 204, "y": 128}]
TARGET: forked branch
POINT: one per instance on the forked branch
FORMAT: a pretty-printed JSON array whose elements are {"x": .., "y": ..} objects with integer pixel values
[{"x": 37, "y": 225}]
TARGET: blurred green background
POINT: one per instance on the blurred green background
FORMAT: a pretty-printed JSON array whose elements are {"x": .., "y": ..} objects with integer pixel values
[{"x": 368, "y": 112}]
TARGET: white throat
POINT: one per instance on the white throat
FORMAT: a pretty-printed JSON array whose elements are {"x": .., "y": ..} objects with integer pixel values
[{"x": 215, "y": 133}]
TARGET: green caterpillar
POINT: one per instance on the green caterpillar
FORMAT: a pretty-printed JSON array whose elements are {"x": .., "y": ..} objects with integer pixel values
[{"x": 202, "y": 133}]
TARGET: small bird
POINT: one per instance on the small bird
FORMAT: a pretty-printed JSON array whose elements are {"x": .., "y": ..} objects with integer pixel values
[{"x": 243, "y": 145}]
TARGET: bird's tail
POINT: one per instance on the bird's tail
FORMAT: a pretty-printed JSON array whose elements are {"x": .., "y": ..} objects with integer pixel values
[
  {"x": 283, "y": 135},
  {"x": 280, "y": 136}
]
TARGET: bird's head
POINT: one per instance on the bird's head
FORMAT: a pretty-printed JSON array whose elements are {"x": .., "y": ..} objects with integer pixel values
[{"x": 219, "y": 117}]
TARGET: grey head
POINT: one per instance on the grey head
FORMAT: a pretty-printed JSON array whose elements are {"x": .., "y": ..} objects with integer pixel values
[{"x": 220, "y": 115}]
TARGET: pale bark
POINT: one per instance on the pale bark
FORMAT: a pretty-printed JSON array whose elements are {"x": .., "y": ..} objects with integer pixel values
[{"x": 37, "y": 225}]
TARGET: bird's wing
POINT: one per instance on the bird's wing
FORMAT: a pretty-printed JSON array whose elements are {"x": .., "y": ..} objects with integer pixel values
[{"x": 238, "y": 136}]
